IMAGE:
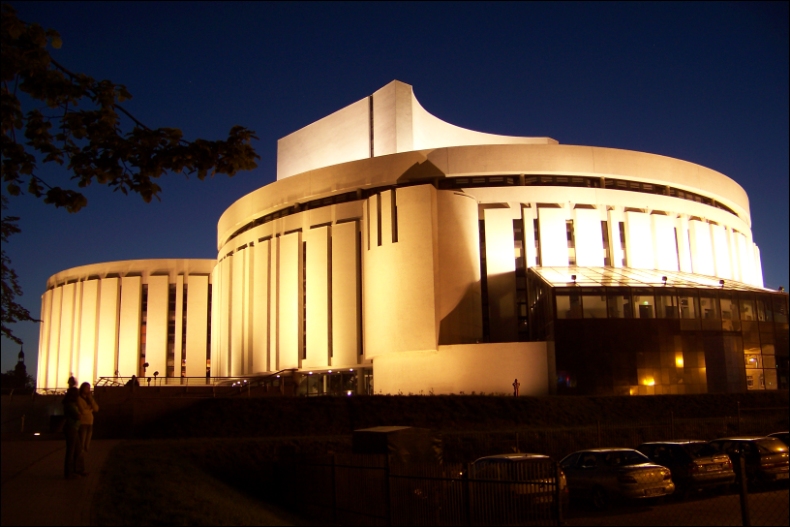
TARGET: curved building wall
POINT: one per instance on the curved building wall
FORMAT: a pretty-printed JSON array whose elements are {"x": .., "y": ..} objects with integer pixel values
[
  {"x": 111, "y": 317},
  {"x": 394, "y": 240}
]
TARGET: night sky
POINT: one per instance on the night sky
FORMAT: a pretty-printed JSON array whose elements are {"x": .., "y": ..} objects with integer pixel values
[{"x": 703, "y": 82}]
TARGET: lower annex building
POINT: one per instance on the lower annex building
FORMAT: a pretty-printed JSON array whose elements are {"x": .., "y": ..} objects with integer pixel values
[{"x": 397, "y": 253}]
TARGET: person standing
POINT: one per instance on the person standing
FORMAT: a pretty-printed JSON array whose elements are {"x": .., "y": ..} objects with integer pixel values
[
  {"x": 87, "y": 406},
  {"x": 71, "y": 429}
]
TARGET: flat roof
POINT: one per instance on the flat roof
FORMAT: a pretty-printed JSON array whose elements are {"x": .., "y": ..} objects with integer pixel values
[{"x": 629, "y": 277}]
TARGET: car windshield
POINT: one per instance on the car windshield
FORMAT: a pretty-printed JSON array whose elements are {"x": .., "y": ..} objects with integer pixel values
[{"x": 623, "y": 458}]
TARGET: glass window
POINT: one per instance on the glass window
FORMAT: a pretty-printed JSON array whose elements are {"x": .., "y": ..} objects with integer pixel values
[
  {"x": 569, "y": 305},
  {"x": 780, "y": 309},
  {"x": 747, "y": 308},
  {"x": 753, "y": 360},
  {"x": 770, "y": 379},
  {"x": 644, "y": 303},
  {"x": 730, "y": 318},
  {"x": 667, "y": 304},
  {"x": 755, "y": 380},
  {"x": 729, "y": 308},
  {"x": 689, "y": 304},
  {"x": 709, "y": 306},
  {"x": 619, "y": 305},
  {"x": 764, "y": 309},
  {"x": 767, "y": 343},
  {"x": 594, "y": 304}
]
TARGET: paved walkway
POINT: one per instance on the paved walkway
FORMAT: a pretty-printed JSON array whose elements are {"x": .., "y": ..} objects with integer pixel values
[{"x": 34, "y": 491}]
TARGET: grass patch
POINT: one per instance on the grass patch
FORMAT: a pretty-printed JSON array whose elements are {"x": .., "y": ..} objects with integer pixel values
[{"x": 192, "y": 482}]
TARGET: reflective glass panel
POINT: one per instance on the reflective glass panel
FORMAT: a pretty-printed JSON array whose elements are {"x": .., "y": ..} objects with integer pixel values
[
  {"x": 764, "y": 309},
  {"x": 644, "y": 303},
  {"x": 594, "y": 305},
  {"x": 747, "y": 308},
  {"x": 709, "y": 306},
  {"x": 730, "y": 319},
  {"x": 688, "y": 302},
  {"x": 780, "y": 310},
  {"x": 770, "y": 379},
  {"x": 667, "y": 304},
  {"x": 619, "y": 305},
  {"x": 753, "y": 360},
  {"x": 569, "y": 305}
]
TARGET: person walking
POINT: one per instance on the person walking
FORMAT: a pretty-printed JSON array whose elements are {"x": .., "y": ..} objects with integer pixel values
[
  {"x": 87, "y": 407},
  {"x": 71, "y": 429}
]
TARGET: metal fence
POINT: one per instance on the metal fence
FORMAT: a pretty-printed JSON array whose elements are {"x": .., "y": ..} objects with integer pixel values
[
  {"x": 375, "y": 490},
  {"x": 350, "y": 489}
]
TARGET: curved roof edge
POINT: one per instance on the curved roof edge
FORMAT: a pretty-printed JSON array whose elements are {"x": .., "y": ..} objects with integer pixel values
[
  {"x": 145, "y": 268},
  {"x": 390, "y": 121}
]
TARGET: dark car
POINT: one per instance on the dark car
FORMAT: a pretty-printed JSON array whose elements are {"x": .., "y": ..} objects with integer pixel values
[
  {"x": 691, "y": 470},
  {"x": 604, "y": 474},
  {"x": 783, "y": 436},
  {"x": 766, "y": 457},
  {"x": 526, "y": 484}
]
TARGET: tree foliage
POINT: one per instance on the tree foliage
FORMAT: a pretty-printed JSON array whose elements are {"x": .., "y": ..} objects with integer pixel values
[{"x": 53, "y": 115}]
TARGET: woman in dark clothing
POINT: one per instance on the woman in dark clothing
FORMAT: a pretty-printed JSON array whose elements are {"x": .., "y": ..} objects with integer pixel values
[{"x": 71, "y": 428}]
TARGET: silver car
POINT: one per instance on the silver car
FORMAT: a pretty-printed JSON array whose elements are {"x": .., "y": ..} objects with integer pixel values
[
  {"x": 604, "y": 474},
  {"x": 693, "y": 466}
]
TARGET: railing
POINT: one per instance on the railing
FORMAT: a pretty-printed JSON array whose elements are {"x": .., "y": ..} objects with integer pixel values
[{"x": 377, "y": 490}]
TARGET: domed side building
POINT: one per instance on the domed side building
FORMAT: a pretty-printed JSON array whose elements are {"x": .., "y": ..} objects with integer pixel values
[{"x": 397, "y": 253}]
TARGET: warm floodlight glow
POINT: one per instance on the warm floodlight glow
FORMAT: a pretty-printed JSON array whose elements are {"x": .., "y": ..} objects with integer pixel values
[
  {"x": 649, "y": 381},
  {"x": 679, "y": 361},
  {"x": 348, "y": 393},
  {"x": 37, "y": 433},
  {"x": 309, "y": 373},
  {"x": 352, "y": 369}
]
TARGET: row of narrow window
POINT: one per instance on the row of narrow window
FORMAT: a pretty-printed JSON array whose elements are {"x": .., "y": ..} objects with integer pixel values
[{"x": 452, "y": 183}]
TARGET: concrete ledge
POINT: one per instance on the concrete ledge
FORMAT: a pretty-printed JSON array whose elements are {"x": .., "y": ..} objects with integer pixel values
[{"x": 467, "y": 368}]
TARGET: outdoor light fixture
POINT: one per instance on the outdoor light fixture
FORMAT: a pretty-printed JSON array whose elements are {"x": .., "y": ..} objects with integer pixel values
[
  {"x": 36, "y": 433},
  {"x": 721, "y": 283},
  {"x": 664, "y": 279},
  {"x": 573, "y": 277}
]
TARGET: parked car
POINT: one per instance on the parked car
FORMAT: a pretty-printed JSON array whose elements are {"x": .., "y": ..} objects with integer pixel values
[
  {"x": 691, "y": 470},
  {"x": 521, "y": 481},
  {"x": 783, "y": 436},
  {"x": 766, "y": 457},
  {"x": 604, "y": 474}
]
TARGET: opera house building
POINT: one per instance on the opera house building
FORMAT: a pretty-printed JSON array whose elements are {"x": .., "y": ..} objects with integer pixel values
[{"x": 400, "y": 254}]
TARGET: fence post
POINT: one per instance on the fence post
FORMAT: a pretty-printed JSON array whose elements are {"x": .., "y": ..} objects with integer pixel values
[
  {"x": 739, "y": 416},
  {"x": 388, "y": 496},
  {"x": 743, "y": 491},
  {"x": 23, "y": 423},
  {"x": 467, "y": 497},
  {"x": 334, "y": 490},
  {"x": 672, "y": 423},
  {"x": 558, "y": 494},
  {"x": 599, "y": 433}
]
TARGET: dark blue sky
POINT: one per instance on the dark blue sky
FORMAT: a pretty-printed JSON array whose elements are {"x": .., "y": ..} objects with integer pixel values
[{"x": 704, "y": 82}]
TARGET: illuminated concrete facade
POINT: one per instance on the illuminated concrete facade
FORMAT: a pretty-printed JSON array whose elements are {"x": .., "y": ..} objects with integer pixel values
[{"x": 395, "y": 240}]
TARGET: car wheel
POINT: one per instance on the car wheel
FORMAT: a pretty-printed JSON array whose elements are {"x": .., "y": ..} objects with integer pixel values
[{"x": 600, "y": 500}]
